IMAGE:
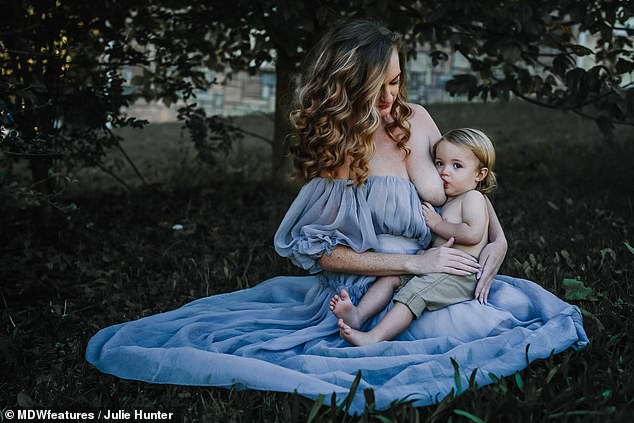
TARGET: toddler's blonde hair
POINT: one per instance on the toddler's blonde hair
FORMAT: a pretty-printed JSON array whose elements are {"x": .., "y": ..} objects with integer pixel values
[{"x": 481, "y": 146}]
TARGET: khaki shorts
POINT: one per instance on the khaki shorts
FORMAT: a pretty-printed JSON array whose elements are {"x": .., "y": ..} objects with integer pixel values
[{"x": 434, "y": 290}]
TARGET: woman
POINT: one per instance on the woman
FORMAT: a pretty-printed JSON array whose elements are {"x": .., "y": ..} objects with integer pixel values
[{"x": 358, "y": 143}]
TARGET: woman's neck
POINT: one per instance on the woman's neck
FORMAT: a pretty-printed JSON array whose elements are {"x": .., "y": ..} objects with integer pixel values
[{"x": 386, "y": 120}]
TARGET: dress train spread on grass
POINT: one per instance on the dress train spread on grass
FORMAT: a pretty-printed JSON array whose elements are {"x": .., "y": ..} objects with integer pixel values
[{"x": 281, "y": 336}]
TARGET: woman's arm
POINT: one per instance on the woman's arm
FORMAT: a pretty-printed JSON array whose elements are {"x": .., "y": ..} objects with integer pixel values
[
  {"x": 492, "y": 255},
  {"x": 496, "y": 234},
  {"x": 441, "y": 259}
]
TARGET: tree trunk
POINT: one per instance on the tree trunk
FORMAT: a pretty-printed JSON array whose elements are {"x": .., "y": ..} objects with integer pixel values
[{"x": 284, "y": 91}]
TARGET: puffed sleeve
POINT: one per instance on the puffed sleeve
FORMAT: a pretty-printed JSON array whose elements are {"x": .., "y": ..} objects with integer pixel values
[{"x": 325, "y": 214}]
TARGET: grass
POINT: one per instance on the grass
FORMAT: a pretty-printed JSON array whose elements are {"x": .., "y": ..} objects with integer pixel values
[{"x": 565, "y": 204}]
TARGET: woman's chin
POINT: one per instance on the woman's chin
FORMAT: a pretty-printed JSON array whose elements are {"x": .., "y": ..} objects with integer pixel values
[{"x": 384, "y": 113}]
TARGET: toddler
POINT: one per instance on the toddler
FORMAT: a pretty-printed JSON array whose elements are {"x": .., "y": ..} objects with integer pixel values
[{"x": 464, "y": 158}]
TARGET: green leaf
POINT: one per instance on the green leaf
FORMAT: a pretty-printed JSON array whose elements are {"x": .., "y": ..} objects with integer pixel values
[
  {"x": 518, "y": 381},
  {"x": 580, "y": 50},
  {"x": 624, "y": 66},
  {"x": 25, "y": 401},
  {"x": 629, "y": 247},
  {"x": 561, "y": 63},
  {"x": 512, "y": 53},
  {"x": 574, "y": 79},
  {"x": 438, "y": 57},
  {"x": 468, "y": 416},
  {"x": 575, "y": 289},
  {"x": 462, "y": 84}
]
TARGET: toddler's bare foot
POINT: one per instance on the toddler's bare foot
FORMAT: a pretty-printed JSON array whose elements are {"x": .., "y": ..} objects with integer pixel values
[
  {"x": 353, "y": 336},
  {"x": 342, "y": 307}
]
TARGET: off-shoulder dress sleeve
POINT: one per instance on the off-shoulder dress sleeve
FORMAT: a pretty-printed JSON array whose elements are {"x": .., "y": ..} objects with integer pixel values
[{"x": 325, "y": 214}]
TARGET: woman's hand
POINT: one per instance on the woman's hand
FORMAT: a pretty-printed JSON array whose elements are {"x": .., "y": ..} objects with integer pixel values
[
  {"x": 491, "y": 258},
  {"x": 445, "y": 259},
  {"x": 432, "y": 218}
]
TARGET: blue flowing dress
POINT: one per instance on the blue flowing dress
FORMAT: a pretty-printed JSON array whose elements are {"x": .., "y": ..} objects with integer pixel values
[{"x": 281, "y": 336}]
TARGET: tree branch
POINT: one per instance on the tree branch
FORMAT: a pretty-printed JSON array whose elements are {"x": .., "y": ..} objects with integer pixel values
[
  {"x": 125, "y": 155},
  {"x": 106, "y": 171},
  {"x": 252, "y": 134},
  {"x": 574, "y": 110}
]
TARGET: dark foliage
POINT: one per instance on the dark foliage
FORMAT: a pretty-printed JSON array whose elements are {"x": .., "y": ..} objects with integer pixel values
[{"x": 64, "y": 64}]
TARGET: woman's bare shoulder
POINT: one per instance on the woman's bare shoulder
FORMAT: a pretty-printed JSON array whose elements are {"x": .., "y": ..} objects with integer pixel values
[
  {"x": 423, "y": 127},
  {"x": 419, "y": 113}
]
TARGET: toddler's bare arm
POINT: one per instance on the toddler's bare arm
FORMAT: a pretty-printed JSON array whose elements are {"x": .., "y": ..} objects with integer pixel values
[{"x": 474, "y": 223}]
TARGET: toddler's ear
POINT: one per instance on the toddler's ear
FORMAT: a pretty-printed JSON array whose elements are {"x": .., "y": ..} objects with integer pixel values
[{"x": 484, "y": 171}]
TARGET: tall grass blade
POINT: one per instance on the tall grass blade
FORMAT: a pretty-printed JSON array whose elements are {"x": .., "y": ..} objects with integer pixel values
[
  {"x": 629, "y": 247},
  {"x": 456, "y": 375},
  {"x": 610, "y": 410},
  {"x": 469, "y": 416},
  {"x": 333, "y": 407},
  {"x": 551, "y": 374},
  {"x": 319, "y": 401},
  {"x": 472, "y": 382},
  {"x": 440, "y": 408},
  {"x": 347, "y": 402},
  {"x": 368, "y": 393}
]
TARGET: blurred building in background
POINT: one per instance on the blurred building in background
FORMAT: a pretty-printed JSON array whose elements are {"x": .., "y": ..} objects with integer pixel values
[{"x": 244, "y": 94}]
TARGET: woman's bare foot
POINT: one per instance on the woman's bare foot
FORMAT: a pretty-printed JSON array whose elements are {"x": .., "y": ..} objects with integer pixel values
[
  {"x": 342, "y": 307},
  {"x": 353, "y": 336}
]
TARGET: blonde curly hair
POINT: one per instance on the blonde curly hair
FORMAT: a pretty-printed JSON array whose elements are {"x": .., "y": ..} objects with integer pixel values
[{"x": 336, "y": 115}]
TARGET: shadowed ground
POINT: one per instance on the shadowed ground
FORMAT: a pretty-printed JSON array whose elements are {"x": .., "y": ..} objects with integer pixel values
[{"x": 565, "y": 201}]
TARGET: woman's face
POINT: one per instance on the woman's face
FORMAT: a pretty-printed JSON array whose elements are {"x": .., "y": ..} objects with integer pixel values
[{"x": 390, "y": 87}]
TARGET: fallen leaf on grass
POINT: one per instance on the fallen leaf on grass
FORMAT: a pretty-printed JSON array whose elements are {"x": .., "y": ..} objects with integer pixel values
[
  {"x": 25, "y": 401},
  {"x": 575, "y": 289}
]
